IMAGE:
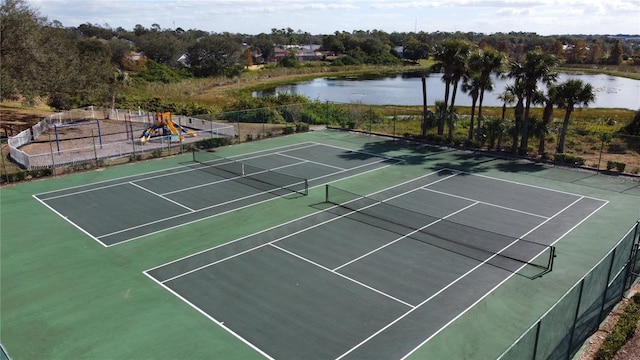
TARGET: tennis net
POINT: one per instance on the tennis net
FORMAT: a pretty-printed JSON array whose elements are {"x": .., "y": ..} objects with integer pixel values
[
  {"x": 528, "y": 258},
  {"x": 251, "y": 175}
]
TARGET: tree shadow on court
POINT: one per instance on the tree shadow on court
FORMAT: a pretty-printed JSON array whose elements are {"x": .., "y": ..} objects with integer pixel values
[{"x": 420, "y": 153}]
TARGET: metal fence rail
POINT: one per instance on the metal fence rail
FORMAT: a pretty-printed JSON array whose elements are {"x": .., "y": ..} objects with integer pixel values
[
  {"x": 110, "y": 143},
  {"x": 560, "y": 332}
]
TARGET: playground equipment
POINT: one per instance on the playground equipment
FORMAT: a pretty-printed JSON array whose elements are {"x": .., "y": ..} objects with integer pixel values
[{"x": 163, "y": 125}]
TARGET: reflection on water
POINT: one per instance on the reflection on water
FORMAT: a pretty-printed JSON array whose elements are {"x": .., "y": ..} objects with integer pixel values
[{"x": 406, "y": 89}]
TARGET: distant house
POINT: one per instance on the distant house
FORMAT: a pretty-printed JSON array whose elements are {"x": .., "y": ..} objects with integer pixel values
[
  {"x": 302, "y": 53},
  {"x": 183, "y": 60}
]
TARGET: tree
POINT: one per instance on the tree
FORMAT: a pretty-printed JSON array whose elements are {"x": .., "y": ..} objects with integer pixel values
[
  {"x": 615, "y": 57},
  {"x": 570, "y": 93},
  {"x": 486, "y": 62},
  {"x": 634, "y": 126},
  {"x": 215, "y": 55},
  {"x": 515, "y": 93},
  {"x": 451, "y": 59},
  {"x": 549, "y": 100},
  {"x": 472, "y": 86},
  {"x": 536, "y": 66},
  {"x": 415, "y": 50},
  {"x": 20, "y": 56},
  {"x": 577, "y": 52}
]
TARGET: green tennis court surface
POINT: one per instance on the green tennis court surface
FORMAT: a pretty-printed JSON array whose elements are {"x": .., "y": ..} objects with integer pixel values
[
  {"x": 385, "y": 284},
  {"x": 214, "y": 186},
  {"x": 410, "y": 251}
]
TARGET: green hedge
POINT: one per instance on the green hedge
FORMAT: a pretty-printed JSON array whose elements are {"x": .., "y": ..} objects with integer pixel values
[
  {"x": 622, "y": 331},
  {"x": 569, "y": 159},
  {"x": 616, "y": 165},
  {"x": 212, "y": 143},
  {"x": 25, "y": 175}
]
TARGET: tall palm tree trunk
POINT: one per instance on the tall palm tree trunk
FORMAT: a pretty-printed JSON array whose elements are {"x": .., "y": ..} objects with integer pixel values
[
  {"x": 450, "y": 115},
  {"x": 518, "y": 112},
  {"x": 474, "y": 99},
  {"x": 524, "y": 141},
  {"x": 443, "y": 115},
  {"x": 479, "y": 131},
  {"x": 547, "y": 113},
  {"x": 565, "y": 126}
]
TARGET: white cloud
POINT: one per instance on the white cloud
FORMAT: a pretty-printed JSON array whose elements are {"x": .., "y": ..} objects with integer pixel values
[{"x": 328, "y": 16}]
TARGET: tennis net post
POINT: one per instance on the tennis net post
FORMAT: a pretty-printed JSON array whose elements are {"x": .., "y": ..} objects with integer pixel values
[
  {"x": 251, "y": 175},
  {"x": 528, "y": 258}
]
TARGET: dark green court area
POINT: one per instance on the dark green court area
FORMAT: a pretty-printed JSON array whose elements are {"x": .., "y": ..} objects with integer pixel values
[
  {"x": 321, "y": 245},
  {"x": 376, "y": 276},
  {"x": 125, "y": 209}
]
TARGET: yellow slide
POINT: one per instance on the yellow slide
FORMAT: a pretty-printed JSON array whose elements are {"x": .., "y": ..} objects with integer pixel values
[{"x": 173, "y": 130}]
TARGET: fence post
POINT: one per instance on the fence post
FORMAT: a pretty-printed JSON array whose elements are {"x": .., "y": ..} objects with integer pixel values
[
  {"x": 53, "y": 160},
  {"x": 606, "y": 286},
  {"x": 535, "y": 345},
  {"x": 575, "y": 320},
  {"x": 95, "y": 152},
  {"x": 4, "y": 167}
]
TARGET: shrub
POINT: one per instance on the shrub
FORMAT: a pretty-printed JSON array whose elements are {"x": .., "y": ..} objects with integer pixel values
[
  {"x": 619, "y": 166},
  {"x": 302, "y": 127},
  {"x": 622, "y": 331},
  {"x": 569, "y": 159},
  {"x": 212, "y": 143},
  {"x": 287, "y": 130}
]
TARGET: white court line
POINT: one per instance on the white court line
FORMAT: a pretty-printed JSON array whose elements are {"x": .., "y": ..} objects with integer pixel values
[
  {"x": 69, "y": 221},
  {"x": 234, "y": 178},
  {"x": 202, "y": 312},
  {"x": 484, "y": 203},
  {"x": 342, "y": 276},
  {"x": 187, "y": 169},
  {"x": 162, "y": 197},
  {"x": 275, "y": 240},
  {"x": 313, "y": 162},
  {"x": 239, "y": 208},
  {"x": 407, "y": 235},
  {"x": 514, "y": 273},
  {"x": 527, "y": 185},
  {"x": 283, "y": 224},
  {"x": 433, "y": 296}
]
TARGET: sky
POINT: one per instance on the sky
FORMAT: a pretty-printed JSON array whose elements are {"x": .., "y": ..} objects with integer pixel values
[{"x": 544, "y": 17}]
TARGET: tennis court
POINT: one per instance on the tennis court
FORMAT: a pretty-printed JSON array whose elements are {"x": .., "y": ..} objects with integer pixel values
[
  {"x": 376, "y": 276},
  {"x": 319, "y": 245},
  {"x": 122, "y": 210}
]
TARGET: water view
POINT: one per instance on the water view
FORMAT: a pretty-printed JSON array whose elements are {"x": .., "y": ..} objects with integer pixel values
[{"x": 406, "y": 89}]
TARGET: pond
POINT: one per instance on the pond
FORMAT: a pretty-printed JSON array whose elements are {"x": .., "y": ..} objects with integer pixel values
[{"x": 406, "y": 89}]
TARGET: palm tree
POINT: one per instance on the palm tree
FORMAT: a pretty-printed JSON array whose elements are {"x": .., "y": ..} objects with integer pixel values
[
  {"x": 491, "y": 61},
  {"x": 495, "y": 128},
  {"x": 451, "y": 60},
  {"x": 516, "y": 92},
  {"x": 472, "y": 86},
  {"x": 507, "y": 97},
  {"x": 537, "y": 66},
  {"x": 570, "y": 93},
  {"x": 549, "y": 100}
]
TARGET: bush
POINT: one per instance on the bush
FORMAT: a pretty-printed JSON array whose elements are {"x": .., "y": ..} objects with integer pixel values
[
  {"x": 302, "y": 127},
  {"x": 212, "y": 143},
  {"x": 569, "y": 159},
  {"x": 623, "y": 330},
  {"x": 287, "y": 130},
  {"x": 620, "y": 166}
]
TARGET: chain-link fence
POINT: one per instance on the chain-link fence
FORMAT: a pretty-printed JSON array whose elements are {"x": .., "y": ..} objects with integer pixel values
[
  {"x": 600, "y": 150},
  {"x": 561, "y": 331},
  {"x": 41, "y": 146},
  {"x": 97, "y": 135}
]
